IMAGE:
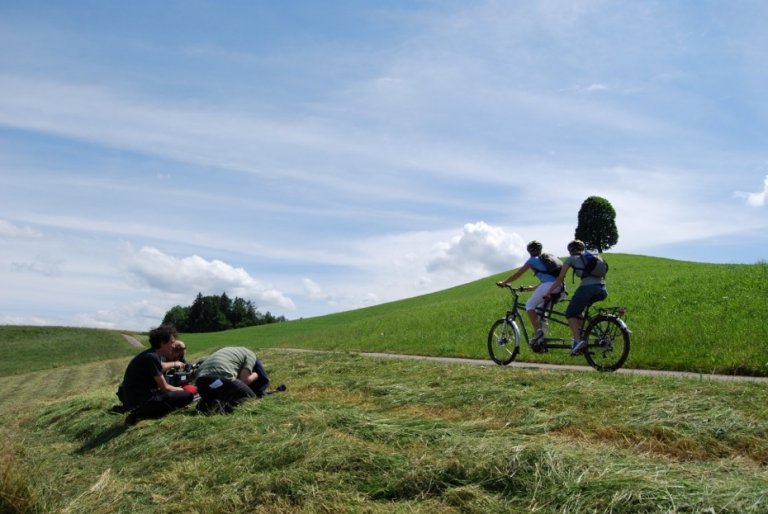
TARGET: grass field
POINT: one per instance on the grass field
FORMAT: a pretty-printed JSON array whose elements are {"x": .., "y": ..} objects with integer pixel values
[
  {"x": 705, "y": 318},
  {"x": 24, "y": 349},
  {"x": 356, "y": 434}
]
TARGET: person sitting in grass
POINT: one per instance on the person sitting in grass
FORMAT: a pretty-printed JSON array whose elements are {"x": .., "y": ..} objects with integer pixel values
[
  {"x": 144, "y": 391},
  {"x": 229, "y": 377},
  {"x": 178, "y": 355}
]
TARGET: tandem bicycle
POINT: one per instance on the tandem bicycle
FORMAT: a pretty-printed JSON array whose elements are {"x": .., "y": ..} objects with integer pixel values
[{"x": 606, "y": 334}]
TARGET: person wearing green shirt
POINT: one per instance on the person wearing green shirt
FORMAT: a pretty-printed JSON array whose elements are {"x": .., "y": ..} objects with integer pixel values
[{"x": 229, "y": 377}]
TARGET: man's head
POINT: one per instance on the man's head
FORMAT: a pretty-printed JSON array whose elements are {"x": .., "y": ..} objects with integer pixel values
[
  {"x": 534, "y": 248},
  {"x": 576, "y": 247},
  {"x": 162, "y": 336},
  {"x": 179, "y": 350}
]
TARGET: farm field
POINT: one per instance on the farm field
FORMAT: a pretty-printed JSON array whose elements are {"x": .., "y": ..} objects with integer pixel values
[{"x": 358, "y": 434}]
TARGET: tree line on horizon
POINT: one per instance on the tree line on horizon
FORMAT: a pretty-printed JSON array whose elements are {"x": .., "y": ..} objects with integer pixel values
[{"x": 215, "y": 313}]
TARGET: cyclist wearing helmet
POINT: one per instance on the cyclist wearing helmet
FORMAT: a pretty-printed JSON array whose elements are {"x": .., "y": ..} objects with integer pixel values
[
  {"x": 535, "y": 264},
  {"x": 591, "y": 289}
]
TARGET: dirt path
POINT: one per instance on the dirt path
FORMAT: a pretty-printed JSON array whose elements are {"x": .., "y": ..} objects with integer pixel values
[
  {"x": 552, "y": 367},
  {"x": 133, "y": 341}
]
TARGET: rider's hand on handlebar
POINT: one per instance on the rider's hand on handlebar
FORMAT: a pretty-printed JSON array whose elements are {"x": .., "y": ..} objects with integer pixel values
[{"x": 500, "y": 284}]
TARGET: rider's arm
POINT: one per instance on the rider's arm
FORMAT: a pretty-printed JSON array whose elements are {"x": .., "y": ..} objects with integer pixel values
[{"x": 514, "y": 276}]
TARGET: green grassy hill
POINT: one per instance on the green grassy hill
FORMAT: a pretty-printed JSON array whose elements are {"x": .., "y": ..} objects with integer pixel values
[
  {"x": 356, "y": 434},
  {"x": 24, "y": 349},
  {"x": 684, "y": 316}
]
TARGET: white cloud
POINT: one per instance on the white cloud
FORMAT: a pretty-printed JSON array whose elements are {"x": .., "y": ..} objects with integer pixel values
[
  {"x": 12, "y": 319},
  {"x": 143, "y": 314},
  {"x": 758, "y": 199},
  {"x": 8, "y": 229},
  {"x": 596, "y": 87},
  {"x": 345, "y": 298},
  {"x": 194, "y": 274},
  {"x": 402, "y": 265},
  {"x": 315, "y": 292},
  {"x": 190, "y": 134},
  {"x": 480, "y": 250},
  {"x": 42, "y": 265}
]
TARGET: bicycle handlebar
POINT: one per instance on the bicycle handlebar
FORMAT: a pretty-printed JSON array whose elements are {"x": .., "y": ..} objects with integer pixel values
[{"x": 519, "y": 289}]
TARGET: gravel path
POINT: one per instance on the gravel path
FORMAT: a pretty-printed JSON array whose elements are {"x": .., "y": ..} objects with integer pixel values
[{"x": 553, "y": 367}]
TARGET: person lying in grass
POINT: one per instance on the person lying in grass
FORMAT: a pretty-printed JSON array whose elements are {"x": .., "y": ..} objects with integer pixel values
[{"x": 229, "y": 377}]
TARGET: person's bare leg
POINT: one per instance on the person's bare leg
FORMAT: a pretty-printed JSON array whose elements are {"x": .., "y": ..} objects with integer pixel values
[
  {"x": 534, "y": 317},
  {"x": 575, "y": 325}
]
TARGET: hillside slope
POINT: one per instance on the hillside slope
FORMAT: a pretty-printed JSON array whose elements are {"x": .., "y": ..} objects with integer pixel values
[
  {"x": 24, "y": 349},
  {"x": 683, "y": 316}
]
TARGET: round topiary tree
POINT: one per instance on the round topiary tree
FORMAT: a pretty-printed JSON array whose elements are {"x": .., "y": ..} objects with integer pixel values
[{"x": 597, "y": 224}]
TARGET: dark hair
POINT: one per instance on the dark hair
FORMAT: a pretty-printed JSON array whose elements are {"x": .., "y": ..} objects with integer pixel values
[{"x": 161, "y": 334}]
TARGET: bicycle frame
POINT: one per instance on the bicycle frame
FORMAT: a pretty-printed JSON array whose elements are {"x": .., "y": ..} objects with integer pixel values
[{"x": 547, "y": 314}]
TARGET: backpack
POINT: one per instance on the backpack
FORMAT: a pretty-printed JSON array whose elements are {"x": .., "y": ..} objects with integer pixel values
[
  {"x": 552, "y": 265},
  {"x": 594, "y": 266}
]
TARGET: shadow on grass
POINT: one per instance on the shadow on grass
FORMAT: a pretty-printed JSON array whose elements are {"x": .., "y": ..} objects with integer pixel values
[{"x": 101, "y": 438}]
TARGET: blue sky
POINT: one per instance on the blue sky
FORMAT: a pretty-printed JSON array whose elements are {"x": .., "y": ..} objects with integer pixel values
[{"x": 316, "y": 157}]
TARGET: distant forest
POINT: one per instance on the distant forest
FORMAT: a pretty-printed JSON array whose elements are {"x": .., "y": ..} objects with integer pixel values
[{"x": 216, "y": 313}]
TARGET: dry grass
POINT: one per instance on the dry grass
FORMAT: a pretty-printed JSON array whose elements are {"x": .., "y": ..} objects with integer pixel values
[{"x": 354, "y": 434}]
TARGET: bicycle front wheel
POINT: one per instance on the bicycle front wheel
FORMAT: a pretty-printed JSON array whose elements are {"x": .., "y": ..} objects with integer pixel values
[
  {"x": 503, "y": 341},
  {"x": 607, "y": 343}
]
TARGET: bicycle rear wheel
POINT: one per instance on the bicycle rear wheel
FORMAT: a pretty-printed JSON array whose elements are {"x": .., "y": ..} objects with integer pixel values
[
  {"x": 607, "y": 343},
  {"x": 503, "y": 341}
]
